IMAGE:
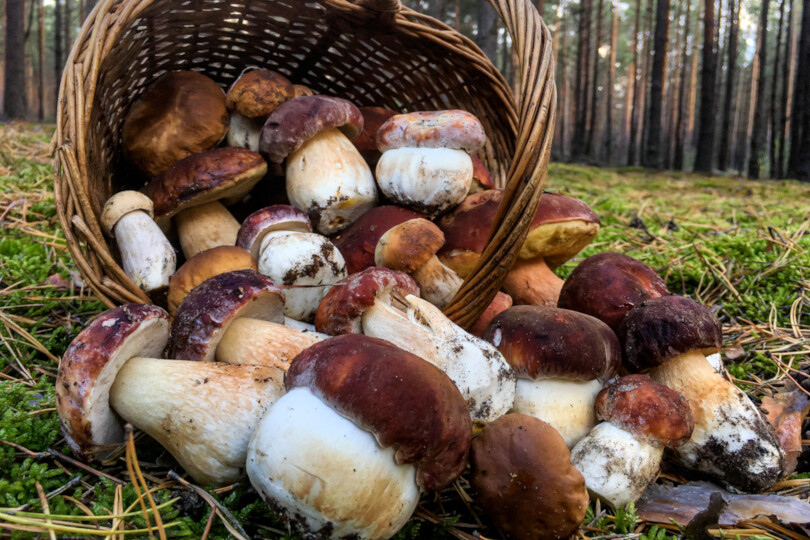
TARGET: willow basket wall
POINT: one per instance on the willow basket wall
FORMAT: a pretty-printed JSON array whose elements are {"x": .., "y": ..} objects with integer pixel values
[{"x": 372, "y": 52}]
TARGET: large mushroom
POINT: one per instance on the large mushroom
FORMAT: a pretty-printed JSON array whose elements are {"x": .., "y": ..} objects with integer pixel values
[
  {"x": 147, "y": 256},
  {"x": 203, "y": 414},
  {"x": 180, "y": 114},
  {"x": 251, "y": 99},
  {"x": 191, "y": 190},
  {"x": 425, "y": 163},
  {"x": 290, "y": 254},
  {"x": 670, "y": 336},
  {"x": 561, "y": 228},
  {"x": 561, "y": 358},
  {"x": 363, "y": 428},
  {"x": 326, "y": 176},
  {"x": 621, "y": 455},
  {"x": 366, "y": 142},
  {"x": 524, "y": 481}
]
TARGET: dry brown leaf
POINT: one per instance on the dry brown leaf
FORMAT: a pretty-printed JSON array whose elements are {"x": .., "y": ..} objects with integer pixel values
[{"x": 784, "y": 411}]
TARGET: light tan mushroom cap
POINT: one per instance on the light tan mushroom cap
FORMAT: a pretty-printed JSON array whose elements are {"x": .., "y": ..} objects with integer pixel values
[{"x": 121, "y": 204}]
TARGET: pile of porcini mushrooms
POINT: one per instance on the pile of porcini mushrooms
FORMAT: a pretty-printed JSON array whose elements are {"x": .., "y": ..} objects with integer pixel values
[{"x": 303, "y": 344}]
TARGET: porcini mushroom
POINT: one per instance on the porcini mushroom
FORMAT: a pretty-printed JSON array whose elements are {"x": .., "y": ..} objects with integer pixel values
[
  {"x": 181, "y": 113},
  {"x": 203, "y": 414},
  {"x": 326, "y": 176},
  {"x": 482, "y": 179},
  {"x": 146, "y": 255},
  {"x": 670, "y": 336},
  {"x": 191, "y": 189},
  {"x": 621, "y": 455},
  {"x": 366, "y": 142},
  {"x": 411, "y": 247},
  {"x": 291, "y": 255},
  {"x": 363, "y": 428},
  {"x": 425, "y": 163},
  {"x": 251, "y": 99},
  {"x": 523, "y": 479},
  {"x": 561, "y": 358}
]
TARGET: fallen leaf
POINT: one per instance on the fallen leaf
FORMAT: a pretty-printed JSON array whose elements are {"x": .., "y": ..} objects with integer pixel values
[
  {"x": 734, "y": 353},
  {"x": 784, "y": 412},
  {"x": 58, "y": 282}
]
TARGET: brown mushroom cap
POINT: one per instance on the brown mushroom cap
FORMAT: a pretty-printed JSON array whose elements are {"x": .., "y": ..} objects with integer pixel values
[
  {"x": 257, "y": 93},
  {"x": 212, "y": 306},
  {"x": 522, "y": 475},
  {"x": 301, "y": 91},
  {"x": 662, "y": 328},
  {"x": 279, "y": 217},
  {"x": 404, "y": 401},
  {"x": 482, "y": 179},
  {"x": 180, "y": 114},
  {"x": 454, "y": 129},
  {"x": 88, "y": 369},
  {"x": 543, "y": 343},
  {"x": 358, "y": 242},
  {"x": 298, "y": 120},
  {"x": 121, "y": 204},
  {"x": 205, "y": 265},
  {"x": 499, "y": 304},
  {"x": 341, "y": 309},
  {"x": 373, "y": 118},
  {"x": 608, "y": 285},
  {"x": 650, "y": 411},
  {"x": 222, "y": 173},
  {"x": 409, "y": 246}
]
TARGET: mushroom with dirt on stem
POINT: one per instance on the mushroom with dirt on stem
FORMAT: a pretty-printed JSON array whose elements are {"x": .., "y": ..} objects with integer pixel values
[{"x": 146, "y": 255}]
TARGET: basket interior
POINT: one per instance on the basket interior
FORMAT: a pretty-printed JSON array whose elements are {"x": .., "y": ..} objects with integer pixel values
[{"x": 334, "y": 47}]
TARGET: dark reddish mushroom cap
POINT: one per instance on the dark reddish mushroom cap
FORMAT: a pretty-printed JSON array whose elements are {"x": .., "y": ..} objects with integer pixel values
[
  {"x": 499, "y": 304},
  {"x": 542, "y": 342},
  {"x": 409, "y": 246},
  {"x": 608, "y": 285},
  {"x": 88, "y": 369},
  {"x": 454, "y": 129},
  {"x": 208, "y": 310},
  {"x": 296, "y": 121},
  {"x": 343, "y": 306},
  {"x": 523, "y": 479},
  {"x": 650, "y": 411},
  {"x": 373, "y": 118},
  {"x": 222, "y": 173},
  {"x": 406, "y": 402},
  {"x": 481, "y": 174},
  {"x": 358, "y": 242},
  {"x": 279, "y": 217},
  {"x": 663, "y": 328},
  {"x": 257, "y": 93}
]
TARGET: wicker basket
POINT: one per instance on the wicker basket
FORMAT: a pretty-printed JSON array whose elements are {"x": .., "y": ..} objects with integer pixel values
[{"x": 372, "y": 52}]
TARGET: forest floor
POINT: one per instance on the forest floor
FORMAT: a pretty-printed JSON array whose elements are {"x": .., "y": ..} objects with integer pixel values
[{"x": 741, "y": 247}]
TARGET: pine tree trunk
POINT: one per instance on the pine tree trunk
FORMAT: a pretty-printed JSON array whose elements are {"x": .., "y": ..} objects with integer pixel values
[
  {"x": 41, "y": 47},
  {"x": 541, "y": 8},
  {"x": 59, "y": 61},
  {"x": 761, "y": 111},
  {"x": 788, "y": 72},
  {"x": 703, "y": 160},
  {"x": 457, "y": 15},
  {"x": 581, "y": 85},
  {"x": 800, "y": 117},
  {"x": 680, "y": 118},
  {"x": 436, "y": 9},
  {"x": 631, "y": 105},
  {"x": 595, "y": 88},
  {"x": 14, "y": 102},
  {"x": 728, "y": 104},
  {"x": 691, "y": 107},
  {"x": 487, "y": 38},
  {"x": 562, "y": 117},
  {"x": 68, "y": 21},
  {"x": 611, "y": 81},
  {"x": 88, "y": 6},
  {"x": 652, "y": 152},
  {"x": 776, "y": 113}
]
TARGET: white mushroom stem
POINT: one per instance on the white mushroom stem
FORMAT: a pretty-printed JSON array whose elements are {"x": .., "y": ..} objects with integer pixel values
[
  {"x": 731, "y": 439},
  {"x": 147, "y": 256},
  {"x": 203, "y": 413},
  {"x": 299, "y": 325},
  {"x": 327, "y": 475},
  {"x": 204, "y": 227},
  {"x": 566, "y": 405},
  {"x": 244, "y": 132},
  {"x": 480, "y": 372},
  {"x": 262, "y": 343},
  {"x": 328, "y": 179},
  {"x": 438, "y": 283},
  {"x": 716, "y": 362},
  {"x": 617, "y": 467}
]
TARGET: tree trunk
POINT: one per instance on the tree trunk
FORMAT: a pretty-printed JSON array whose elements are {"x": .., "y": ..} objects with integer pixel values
[
  {"x": 611, "y": 81},
  {"x": 800, "y": 117},
  {"x": 487, "y": 38},
  {"x": 671, "y": 89},
  {"x": 68, "y": 20},
  {"x": 631, "y": 104},
  {"x": 14, "y": 102},
  {"x": 788, "y": 72},
  {"x": 728, "y": 104},
  {"x": 680, "y": 118},
  {"x": 581, "y": 90},
  {"x": 457, "y": 15},
  {"x": 436, "y": 9},
  {"x": 41, "y": 47},
  {"x": 58, "y": 60},
  {"x": 691, "y": 107},
  {"x": 541, "y": 8},
  {"x": 595, "y": 88},
  {"x": 703, "y": 160},
  {"x": 562, "y": 118},
  {"x": 761, "y": 111},
  {"x": 776, "y": 114},
  {"x": 644, "y": 116},
  {"x": 88, "y": 6},
  {"x": 652, "y": 151}
]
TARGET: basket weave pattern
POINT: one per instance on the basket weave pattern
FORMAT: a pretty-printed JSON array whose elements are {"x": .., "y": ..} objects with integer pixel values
[{"x": 371, "y": 52}]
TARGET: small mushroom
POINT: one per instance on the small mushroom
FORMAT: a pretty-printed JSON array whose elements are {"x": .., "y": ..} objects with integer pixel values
[
  {"x": 203, "y": 414},
  {"x": 191, "y": 189},
  {"x": 425, "y": 163},
  {"x": 363, "y": 428},
  {"x": 621, "y": 455},
  {"x": 251, "y": 99},
  {"x": 411, "y": 247},
  {"x": 326, "y": 176},
  {"x": 291, "y": 255},
  {"x": 671, "y": 336},
  {"x": 482, "y": 179},
  {"x": 147, "y": 256},
  {"x": 366, "y": 142},
  {"x": 523, "y": 479},
  {"x": 301, "y": 91},
  {"x": 180, "y": 114},
  {"x": 236, "y": 318},
  {"x": 561, "y": 358}
]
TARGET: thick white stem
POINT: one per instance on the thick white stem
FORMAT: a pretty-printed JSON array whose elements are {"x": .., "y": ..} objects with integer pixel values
[
  {"x": 262, "y": 343},
  {"x": 437, "y": 282},
  {"x": 386, "y": 322},
  {"x": 204, "y": 227},
  {"x": 203, "y": 413},
  {"x": 147, "y": 256}
]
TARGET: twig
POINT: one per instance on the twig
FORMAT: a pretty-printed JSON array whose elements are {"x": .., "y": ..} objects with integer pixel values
[{"x": 231, "y": 523}]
